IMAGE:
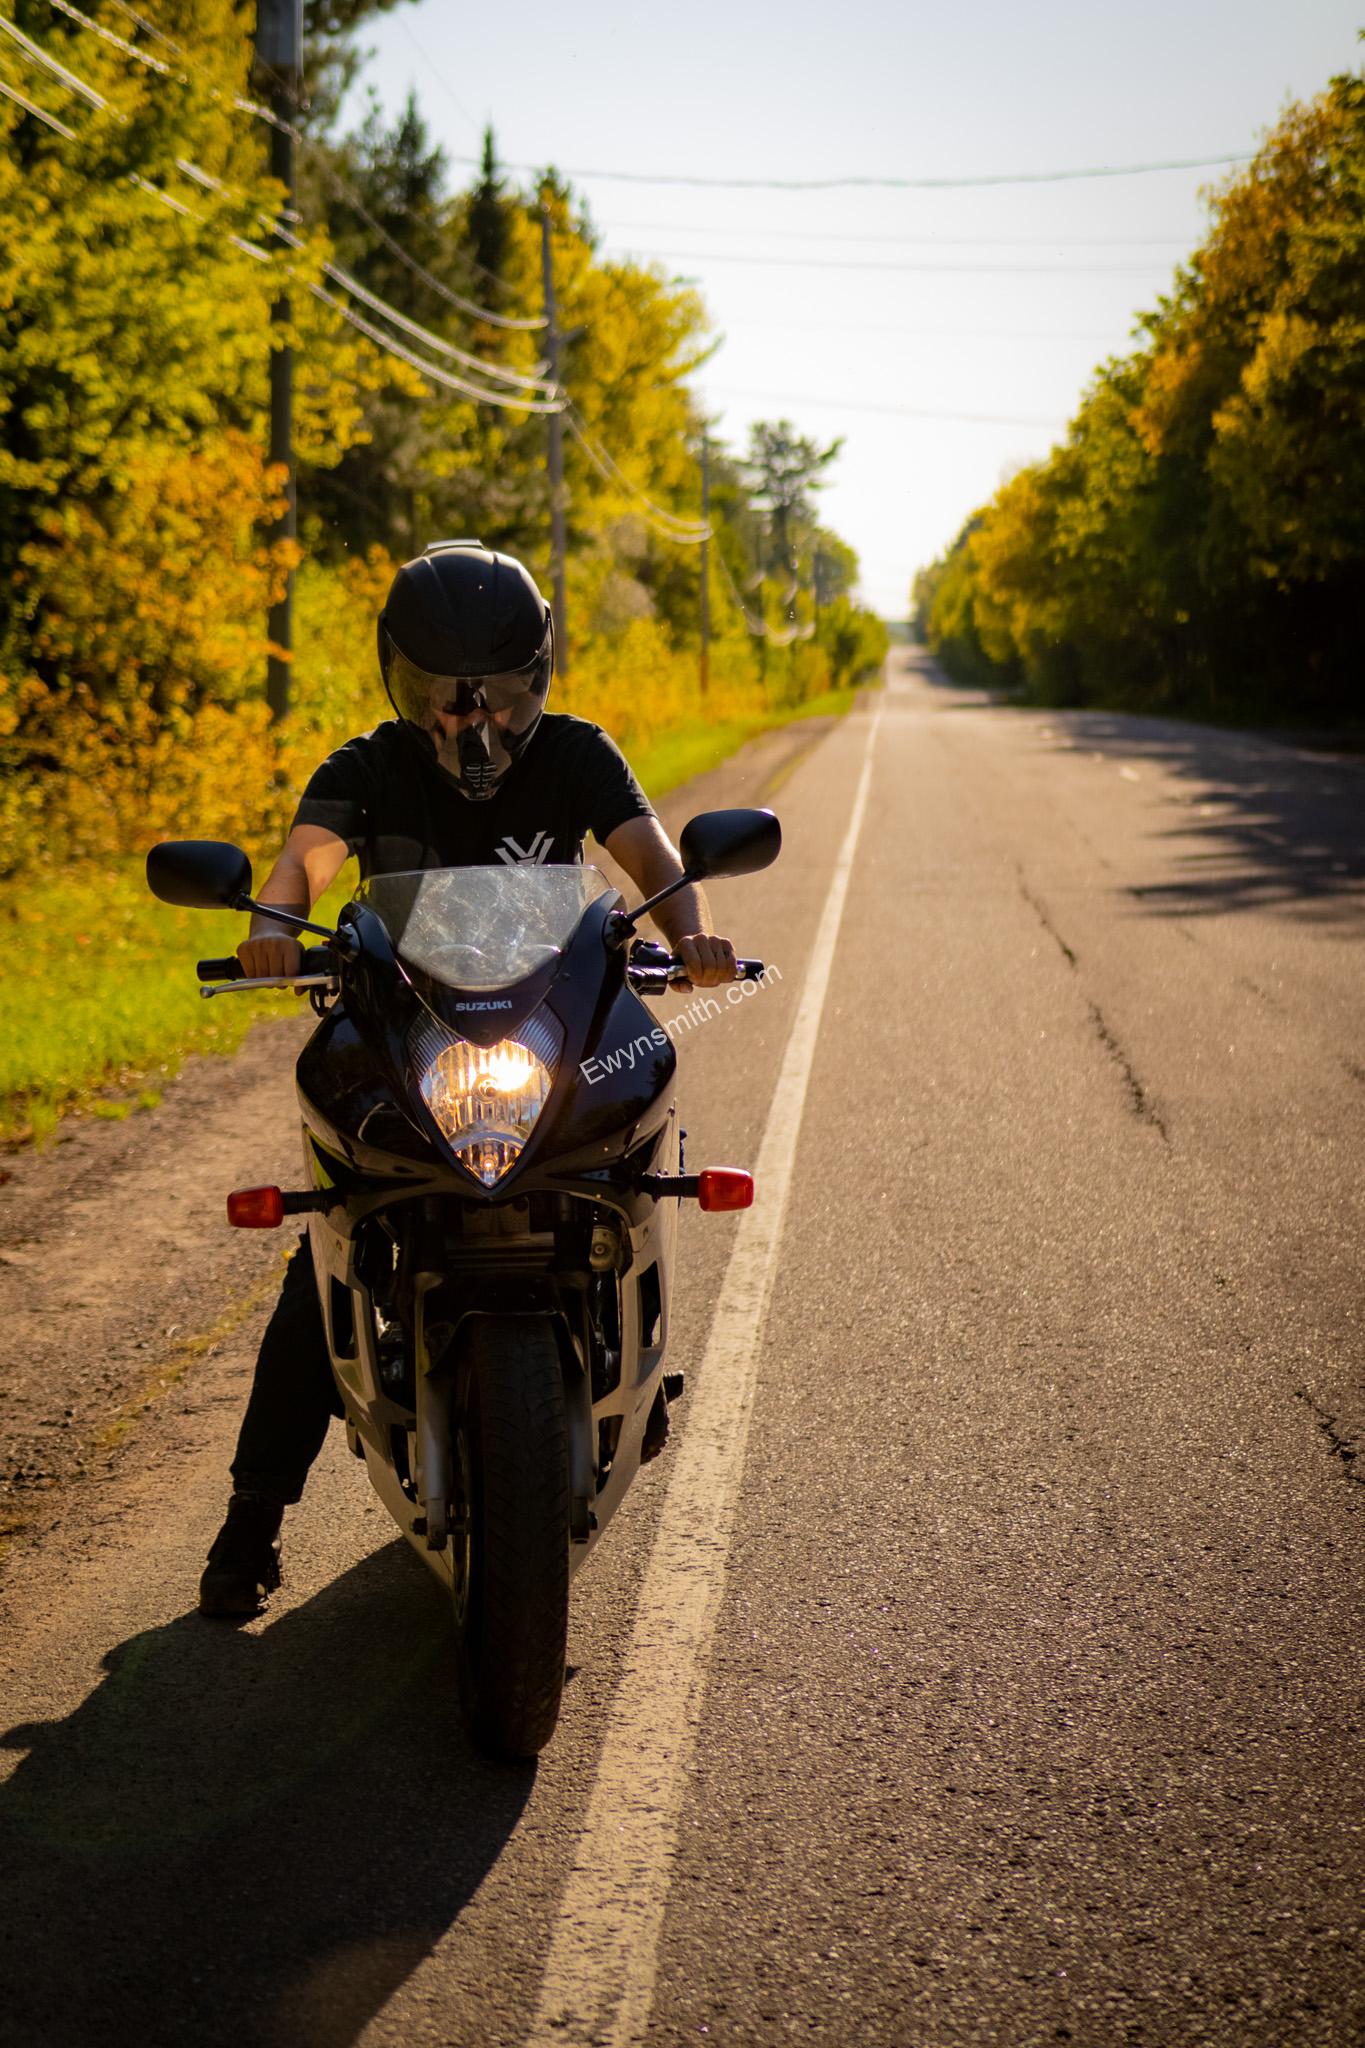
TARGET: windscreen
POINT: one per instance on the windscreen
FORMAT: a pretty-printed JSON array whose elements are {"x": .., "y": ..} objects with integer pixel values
[{"x": 482, "y": 928}]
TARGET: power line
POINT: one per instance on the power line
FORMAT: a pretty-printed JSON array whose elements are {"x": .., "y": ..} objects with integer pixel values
[
  {"x": 484, "y": 314},
  {"x": 98, "y": 28},
  {"x": 860, "y": 183},
  {"x": 658, "y": 227},
  {"x": 502, "y": 400},
  {"x": 924, "y": 269},
  {"x": 505, "y": 401},
  {"x": 533, "y": 325},
  {"x": 691, "y": 532},
  {"x": 49, "y": 63},
  {"x": 909, "y": 412},
  {"x": 446, "y": 88},
  {"x": 38, "y": 113}
]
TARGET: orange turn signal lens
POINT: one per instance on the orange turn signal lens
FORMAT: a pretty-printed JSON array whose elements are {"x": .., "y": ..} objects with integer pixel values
[
  {"x": 724, "y": 1187},
  {"x": 256, "y": 1208}
]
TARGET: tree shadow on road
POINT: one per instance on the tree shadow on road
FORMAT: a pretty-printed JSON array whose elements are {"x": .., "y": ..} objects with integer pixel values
[
  {"x": 1268, "y": 825},
  {"x": 249, "y": 1838}
]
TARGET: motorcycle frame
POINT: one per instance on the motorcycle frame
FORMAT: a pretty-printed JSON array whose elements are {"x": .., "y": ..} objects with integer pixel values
[{"x": 580, "y": 1173}]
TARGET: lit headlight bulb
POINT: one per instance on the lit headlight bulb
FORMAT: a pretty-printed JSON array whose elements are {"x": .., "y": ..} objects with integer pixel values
[{"x": 485, "y": 1100}]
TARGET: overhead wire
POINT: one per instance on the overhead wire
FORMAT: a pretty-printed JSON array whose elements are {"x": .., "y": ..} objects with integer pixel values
[
  {"x": 691, "y": 530},
  {"x": 890, "y": 184},
  {"x": 350, "y": 198},
  {"x": 660, "y": 227},
  {"x": 47, "y": 62},
  {"x": 550, "y": 399},
  {"x": 924, "y": 269},
  {"x": 911, "y": 412},
  {"x": 38, "y": 113},
  {"x": 554, "y": 401}
]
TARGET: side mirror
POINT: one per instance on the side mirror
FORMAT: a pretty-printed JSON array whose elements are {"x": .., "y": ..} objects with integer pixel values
[
  {"x": 730, "y": 843},
  {"x": 199, "y": 874}
]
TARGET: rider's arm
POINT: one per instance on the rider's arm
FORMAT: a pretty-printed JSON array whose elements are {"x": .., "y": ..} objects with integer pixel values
[
  {"x": 310, "y": 862},
  {"x": 649, "y": 857}
]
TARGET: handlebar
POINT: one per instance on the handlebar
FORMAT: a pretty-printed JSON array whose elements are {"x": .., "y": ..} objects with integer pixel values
[
  {"x": 316, "y": 960},
  {"x": 317, "y": 969},
  {"x": 651, "y": 970}
]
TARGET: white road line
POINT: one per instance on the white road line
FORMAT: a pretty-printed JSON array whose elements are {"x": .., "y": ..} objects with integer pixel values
[{"x": 600, "y": 1973}]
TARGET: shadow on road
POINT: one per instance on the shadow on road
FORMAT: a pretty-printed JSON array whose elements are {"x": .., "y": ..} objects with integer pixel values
[
  {"x": 249, "y": 1839},
  {"x": 1269, "y": 824}
]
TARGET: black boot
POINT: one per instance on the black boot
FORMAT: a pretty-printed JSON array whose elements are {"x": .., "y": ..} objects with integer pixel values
[{"x": 244, "y": 1564}]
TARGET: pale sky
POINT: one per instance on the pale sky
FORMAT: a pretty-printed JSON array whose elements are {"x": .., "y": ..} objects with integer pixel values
[{"x": 858, "y": 312}]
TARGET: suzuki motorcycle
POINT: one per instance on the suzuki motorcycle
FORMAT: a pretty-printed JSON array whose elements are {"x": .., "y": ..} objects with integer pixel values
[{"x": 492, "y": 1162}]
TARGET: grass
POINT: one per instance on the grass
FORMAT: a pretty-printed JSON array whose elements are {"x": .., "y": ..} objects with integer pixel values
[
  {"x": 97, "y": 983},
  {"x": 695, "y": 748}
]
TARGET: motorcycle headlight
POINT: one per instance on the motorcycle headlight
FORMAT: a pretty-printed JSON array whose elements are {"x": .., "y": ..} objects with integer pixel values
[{"x": 485, "y": 1099}]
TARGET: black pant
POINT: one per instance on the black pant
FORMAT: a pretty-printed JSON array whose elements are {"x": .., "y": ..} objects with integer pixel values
[{"x": 293, "y": 1394}]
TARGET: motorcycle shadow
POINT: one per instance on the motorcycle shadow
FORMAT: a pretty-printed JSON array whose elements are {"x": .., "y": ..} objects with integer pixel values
[{"x": 249, "y": 1837}]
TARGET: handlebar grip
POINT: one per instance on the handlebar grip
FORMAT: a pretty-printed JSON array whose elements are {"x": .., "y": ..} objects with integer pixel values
[
  {"x": 748, "y": 970},
  {"x": 220, "y": 970}
]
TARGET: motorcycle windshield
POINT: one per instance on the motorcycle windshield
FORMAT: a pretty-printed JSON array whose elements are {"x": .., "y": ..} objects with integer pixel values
[{"x": 482, "y": 928}]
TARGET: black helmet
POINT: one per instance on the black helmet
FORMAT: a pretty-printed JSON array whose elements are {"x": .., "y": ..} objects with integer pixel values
[{"x": 465, "y": 634}]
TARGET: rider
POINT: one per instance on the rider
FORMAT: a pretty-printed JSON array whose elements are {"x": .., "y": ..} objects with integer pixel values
[{"x": 472, "y": 771}]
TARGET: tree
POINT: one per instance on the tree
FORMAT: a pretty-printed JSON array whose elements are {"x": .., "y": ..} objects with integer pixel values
[{"x": 784, "y": 470}]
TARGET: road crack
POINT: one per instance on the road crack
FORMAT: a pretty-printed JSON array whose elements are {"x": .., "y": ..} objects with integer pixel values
[
  {"x": 1040, "y": 912},
  {"x": 1139, "y": 1100},
  {"x": 1342, "y": 1447}
]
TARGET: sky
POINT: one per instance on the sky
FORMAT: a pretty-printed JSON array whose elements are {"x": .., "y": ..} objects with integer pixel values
[{"x": 946, "y": 334}]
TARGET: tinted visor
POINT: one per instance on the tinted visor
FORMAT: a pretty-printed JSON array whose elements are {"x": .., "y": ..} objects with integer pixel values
[{"x": 514, "y": 697}]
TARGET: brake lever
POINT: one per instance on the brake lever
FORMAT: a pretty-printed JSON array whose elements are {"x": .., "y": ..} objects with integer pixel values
[{"x": 299, "y": 981}]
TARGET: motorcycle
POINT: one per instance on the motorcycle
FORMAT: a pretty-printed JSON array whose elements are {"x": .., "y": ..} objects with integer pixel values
[{"x": 492, "y": 1166}]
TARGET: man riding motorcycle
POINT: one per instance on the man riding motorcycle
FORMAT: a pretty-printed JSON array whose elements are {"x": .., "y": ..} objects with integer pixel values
[{"x": 472, "y": 771}]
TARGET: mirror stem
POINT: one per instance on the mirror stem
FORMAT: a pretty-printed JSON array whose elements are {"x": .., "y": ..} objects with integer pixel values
[
  {"x": 272, "y": 911},
  {"x": 623, "y": 922}
]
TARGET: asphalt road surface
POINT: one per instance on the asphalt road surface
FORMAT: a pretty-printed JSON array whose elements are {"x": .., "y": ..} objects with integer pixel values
[{"x": 981, "y": 1664}]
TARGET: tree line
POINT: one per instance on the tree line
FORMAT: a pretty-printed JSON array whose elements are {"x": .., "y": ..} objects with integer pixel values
[
  {"x": 1197, "y": 541},
  {"x": 138, "y": 269}
]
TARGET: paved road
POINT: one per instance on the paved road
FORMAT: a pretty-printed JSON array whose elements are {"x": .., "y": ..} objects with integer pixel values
[{"x": 1023, "y": 1701}]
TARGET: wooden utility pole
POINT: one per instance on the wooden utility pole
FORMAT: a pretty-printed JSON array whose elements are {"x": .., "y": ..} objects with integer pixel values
[
  {"x": 555, "y": 423},
  {"x": 279, "y": 50},
  {"x": 705, "y": 564}
]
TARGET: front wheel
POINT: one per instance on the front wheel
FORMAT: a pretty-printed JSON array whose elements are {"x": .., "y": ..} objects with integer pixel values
[{"x": 510, "y": 1528}]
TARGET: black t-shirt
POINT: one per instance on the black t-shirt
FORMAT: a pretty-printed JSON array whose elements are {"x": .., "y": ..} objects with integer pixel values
[{"x": 385, "y": 796}]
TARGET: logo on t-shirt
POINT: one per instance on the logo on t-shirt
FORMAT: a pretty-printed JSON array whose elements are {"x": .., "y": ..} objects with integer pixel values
[{"x": 518, "y": 856}]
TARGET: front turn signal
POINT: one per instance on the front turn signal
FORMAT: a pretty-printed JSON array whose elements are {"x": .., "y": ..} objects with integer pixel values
[
  {"x": 724, "y": 1187},
  {"x": 256, "y": 1208}
]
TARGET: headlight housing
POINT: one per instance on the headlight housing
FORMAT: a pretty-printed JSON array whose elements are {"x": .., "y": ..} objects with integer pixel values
[{"x": 485, "y": 1099}]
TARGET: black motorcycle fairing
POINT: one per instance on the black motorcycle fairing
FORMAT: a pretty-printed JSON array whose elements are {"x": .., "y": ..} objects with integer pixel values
[{"x": 483, "y": 1017}]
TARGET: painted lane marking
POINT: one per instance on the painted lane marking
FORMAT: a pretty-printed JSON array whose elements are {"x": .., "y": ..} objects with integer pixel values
[{"x": 603, "y": 1959}]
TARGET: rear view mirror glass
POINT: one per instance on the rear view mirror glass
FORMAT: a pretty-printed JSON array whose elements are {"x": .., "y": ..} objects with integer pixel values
[
  {"x": 199, "y": 874},
  {"x": 730, "y": 842}
]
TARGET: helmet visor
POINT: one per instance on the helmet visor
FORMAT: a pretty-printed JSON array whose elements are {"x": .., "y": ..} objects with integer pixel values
[{"x": 477, "y": 724}]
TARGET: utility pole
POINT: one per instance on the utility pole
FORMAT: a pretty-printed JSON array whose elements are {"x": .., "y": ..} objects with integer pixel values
[
  {"x": 555, "y": 423},
  {"x": 279, "y": 50},
  {"x": 816, "y": 567},
  {"x": 705, "y": 563}
]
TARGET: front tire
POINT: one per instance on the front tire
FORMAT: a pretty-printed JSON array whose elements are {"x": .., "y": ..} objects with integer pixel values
[{"x": 511, "y": 1534}]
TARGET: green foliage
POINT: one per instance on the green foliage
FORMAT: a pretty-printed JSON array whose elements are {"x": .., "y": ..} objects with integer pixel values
[
  {"x": 138, "y": 276},
  {"x": 1198, "y": 540}
]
